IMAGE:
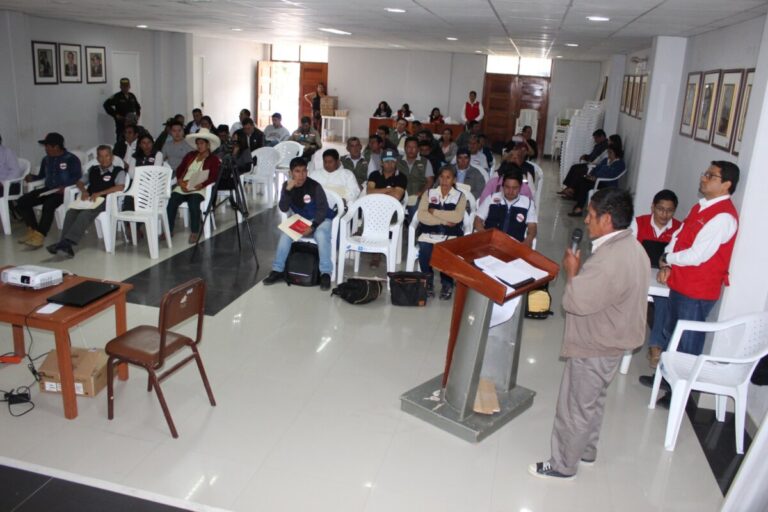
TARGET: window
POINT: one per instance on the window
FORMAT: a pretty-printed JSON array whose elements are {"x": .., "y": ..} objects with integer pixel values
[
  {"x": 313, "y": 53},
  {"x": 533, "y": 66},
  {"x": 504, "y": 64},
  {"x": 294, "y": 53},
  {"x": 286, "y": 52}
]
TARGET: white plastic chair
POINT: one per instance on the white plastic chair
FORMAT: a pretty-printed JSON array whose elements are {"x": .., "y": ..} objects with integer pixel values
[
  {"x": 539, "y": 185},
  {"x": 412, "y": 256},
  {"x": 80, "y": 155},
  {"x": 210, "y": 223},
  {"x": 288, "y": 149},
  {"x": 92, "y": 153},
  {"x": 598, "y": 181},
  {"x": 379, "y": 235},
  {"x": 5, "y": 212},
  {"x": 264, "y": 173},
  {"x": 150, "y": 194},
  {"x": 724, "y": 372}
]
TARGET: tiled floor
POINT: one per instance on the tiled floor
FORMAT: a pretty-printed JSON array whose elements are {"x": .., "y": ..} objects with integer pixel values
[{"x": 308, "y": 416}]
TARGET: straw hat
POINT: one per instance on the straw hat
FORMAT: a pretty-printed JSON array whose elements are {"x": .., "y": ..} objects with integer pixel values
[{"x": 204, "y": 133}]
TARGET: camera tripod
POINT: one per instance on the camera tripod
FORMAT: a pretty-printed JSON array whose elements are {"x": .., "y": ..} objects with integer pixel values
[{"x": 236, "y": 198}]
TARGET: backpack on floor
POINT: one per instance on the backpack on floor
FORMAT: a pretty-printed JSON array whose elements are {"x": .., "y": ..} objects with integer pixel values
[
  {"x": 302, "y": 267},
  {"x": 538, "y": 303},
  {"x": 359, "y": 291}
]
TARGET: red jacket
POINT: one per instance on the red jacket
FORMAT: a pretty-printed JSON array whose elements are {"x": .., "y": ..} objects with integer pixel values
[
  {"x": 645, "y": 230},
  {"x": 472, "y": 110},
  {"x": 211, "y": 164}
]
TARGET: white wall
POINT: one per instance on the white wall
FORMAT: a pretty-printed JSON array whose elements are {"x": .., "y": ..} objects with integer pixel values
[
  {"x": 361, "y": 78},
  {"x": 572, "y": 83},
  {"x": 631, "y": 128},
  {"x": 229, "y": 76}
]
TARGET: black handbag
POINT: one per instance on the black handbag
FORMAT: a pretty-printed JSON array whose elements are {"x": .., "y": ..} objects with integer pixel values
[
  {"x": 408, "y": 288},
  {"x": 302, "y": 267}
]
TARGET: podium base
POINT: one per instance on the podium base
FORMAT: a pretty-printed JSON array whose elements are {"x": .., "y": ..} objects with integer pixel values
[{"x": 426, "y": 402}]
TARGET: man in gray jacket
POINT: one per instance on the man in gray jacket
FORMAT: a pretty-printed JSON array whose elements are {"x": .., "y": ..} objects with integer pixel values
[{"x": 605, "y": 304}]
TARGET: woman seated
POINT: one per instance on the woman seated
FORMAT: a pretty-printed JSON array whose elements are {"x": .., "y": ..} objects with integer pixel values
[
  {"x": 441, "y": 217},
  {"x": 145, "y": 154},
  {"x": 405, "y": 112},
  {"x": 435, "y": 116},
  {"x": 207, "y": 123},
  {"x": 447, "y": 145},
  {"x": 383, "y": 110},
  {"x": 609, "y": 168},
  {"x": 197, "y": 170}
]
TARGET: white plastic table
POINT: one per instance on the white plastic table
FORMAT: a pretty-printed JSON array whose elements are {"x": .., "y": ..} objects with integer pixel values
[{"x": 326, "y": 126}]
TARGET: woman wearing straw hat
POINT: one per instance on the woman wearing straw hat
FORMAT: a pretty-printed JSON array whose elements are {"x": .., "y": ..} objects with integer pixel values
[{"x": 197, "y": 170}]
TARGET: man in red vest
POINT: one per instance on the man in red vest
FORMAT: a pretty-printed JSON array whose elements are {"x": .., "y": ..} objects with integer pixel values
[
  {"x": 695, "y": 263},
  {"x": 473, "y": 109}
]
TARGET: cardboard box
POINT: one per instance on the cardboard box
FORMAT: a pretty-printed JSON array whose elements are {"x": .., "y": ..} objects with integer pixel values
[
  {"x": 329, "y": 102},
  {"x": 88, "y": 365}
]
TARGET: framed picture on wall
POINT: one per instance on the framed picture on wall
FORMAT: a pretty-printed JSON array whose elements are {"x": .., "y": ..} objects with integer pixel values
[
  {"x": 746, "y": 93},
  {"x": 635, "y": 95},
  {"x": 44, "y": 63},
  {"x": 624, "y": 92},
  {"x": 688, "y": 118},
  {"x": 70, "y": 63},
  {"x": 641, "y": 99},
  {"x": 727, "y": 108},
  {"x": 96, "y": 64},
  {"x": 705, "y": 110}
]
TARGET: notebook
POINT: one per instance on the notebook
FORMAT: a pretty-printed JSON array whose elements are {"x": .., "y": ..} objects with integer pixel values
[
  {"x": 83, "y": 294},
  {"x": 654, "y": 250}
]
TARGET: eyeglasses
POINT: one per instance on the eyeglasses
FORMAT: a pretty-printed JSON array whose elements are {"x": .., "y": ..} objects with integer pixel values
[
  {"x": 708, "y": 176},
  {"x": 659, "y": 209}
]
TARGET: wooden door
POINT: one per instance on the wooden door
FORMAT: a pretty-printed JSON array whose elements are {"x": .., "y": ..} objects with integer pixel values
[
  {"x": 263, "y": 94},
  {"x": 499, "y": 104},
  {"x": 310, "y": 75},
  {"x": 534, "y": 94}
]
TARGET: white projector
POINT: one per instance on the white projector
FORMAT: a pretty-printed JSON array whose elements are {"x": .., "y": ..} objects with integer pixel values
[{"x": 32, "y": 276}]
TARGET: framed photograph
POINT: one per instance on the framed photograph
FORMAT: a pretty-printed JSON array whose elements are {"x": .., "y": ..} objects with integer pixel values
[
  {"x": 727, "y": 108},
  {"x": 44, "y": 63},
  {"x": 688, "y": 119},
  {"x": 635, "y": 95},
  {"x": 641, "y": 99},
  {"x": 746, "y": 93},
  {"x": 705, "y": 110},
  {"x": 624, "y": 91},
  {"x": 70, "y": 64},
  {"x": 96, "y": 64}
]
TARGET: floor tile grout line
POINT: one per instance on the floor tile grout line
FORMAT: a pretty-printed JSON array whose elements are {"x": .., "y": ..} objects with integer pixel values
[{"x": 50, "y": 478}]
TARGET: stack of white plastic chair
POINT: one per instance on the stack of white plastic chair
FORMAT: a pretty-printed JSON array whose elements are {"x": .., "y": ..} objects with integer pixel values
[
  {"x": 263, "y": 173},
  {"x": 5, "y": 212},
  {"x": 578, "y": 139}
]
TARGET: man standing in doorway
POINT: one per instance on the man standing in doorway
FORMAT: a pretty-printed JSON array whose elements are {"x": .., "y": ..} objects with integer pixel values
[
  {"x": 473, "y": 110},
  {"x": 123, "y": 107}
]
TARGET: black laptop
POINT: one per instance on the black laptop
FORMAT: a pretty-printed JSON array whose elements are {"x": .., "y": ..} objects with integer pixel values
[
  {"x": 654, "y": 250},
  {"x": 83, "y": 294}
]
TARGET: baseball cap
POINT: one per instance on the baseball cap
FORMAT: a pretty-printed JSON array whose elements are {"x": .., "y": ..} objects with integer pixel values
[
  {"x": 277, "y": 115},
  {"x": 389, "y": 155},
  {"x": 53, "y": 139},
  {"x": 125, "y": 81}
]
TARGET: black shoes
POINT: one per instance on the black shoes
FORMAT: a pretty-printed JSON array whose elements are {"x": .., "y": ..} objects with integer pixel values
[
  {"x": 325, "y": 282},
  {"x": 544, "y": 470},
  {"x": 446, "y": 293},
  {"x": 63, "y": 247},
  {"x": 430, "y": 290},
  {"x": 647, "y": 381},
  {"x": 274, "y": 277}
]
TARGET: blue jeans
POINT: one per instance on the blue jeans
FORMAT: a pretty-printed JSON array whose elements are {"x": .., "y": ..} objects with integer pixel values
[
  {"x": 322, "y": 236},
  {"x": 686, "y": 308},
  {"x": 425, "y": 254},
  {"x": 660, "y": 314}
]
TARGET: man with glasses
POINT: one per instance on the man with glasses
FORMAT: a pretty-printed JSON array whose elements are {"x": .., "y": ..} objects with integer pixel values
[{"x": 695, "y": 263}]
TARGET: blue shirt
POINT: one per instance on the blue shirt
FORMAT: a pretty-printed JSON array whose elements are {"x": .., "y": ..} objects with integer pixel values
[{"x": 60, "y": 171}]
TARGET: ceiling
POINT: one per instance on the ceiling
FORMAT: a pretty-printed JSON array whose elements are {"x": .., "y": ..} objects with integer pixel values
[{"x": 531, "y": 28}]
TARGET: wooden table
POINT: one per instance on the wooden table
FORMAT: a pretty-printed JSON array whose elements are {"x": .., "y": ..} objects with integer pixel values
[{"x": 18, "y": 306}]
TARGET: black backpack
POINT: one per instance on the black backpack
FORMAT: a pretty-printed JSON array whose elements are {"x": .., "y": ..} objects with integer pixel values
[
  {"x": 359, "y": 291},
  {"x": 302, "y": 267}
]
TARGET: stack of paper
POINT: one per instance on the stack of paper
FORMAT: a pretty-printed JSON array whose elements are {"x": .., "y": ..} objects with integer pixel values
[
  {"x": 295, "y": 226},
  {"x": 87, "y": 204},
  {"x": 510, "y": 273}
]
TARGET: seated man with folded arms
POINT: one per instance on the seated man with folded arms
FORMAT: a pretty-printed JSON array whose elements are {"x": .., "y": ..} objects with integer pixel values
[
  {"x": 419, "y": 171},
  {"x": 390, "y": 181},
  {"x": 307, "y": 137},
  {"x": 276, "y": 133},
  {"x": 336, "y": 178},
  {"x": 657, "y": 226},
  {"x": 304, "y": 196},
  {"x": 355, "y": 161},
  {"x": 509, "y": 211},
  {"x": 468, "y": 175},
  {"x": 98, "y": 182}
]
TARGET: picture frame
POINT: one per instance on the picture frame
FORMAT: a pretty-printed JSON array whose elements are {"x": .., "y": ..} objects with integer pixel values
[
  {"x": 690, "y": 101},
  {"x": 44, "y": 68},
  {"x": 746, "y": 94},
  {"x": 641, "y": 97},
  {"x": 624, "y": 92},
  {"x": 635, "y": 95},
  {"x": 70, "y": 63},
  {"x": 705, "y": 108},
  {"x": 95, "y": 64},
  {"x": 727, "y": 108}
]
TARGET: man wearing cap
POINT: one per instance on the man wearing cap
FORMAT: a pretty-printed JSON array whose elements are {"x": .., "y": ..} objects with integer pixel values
[
  {"x": 307, "y": 137},
  {"x": 467, "y": 174},
  {"x": 304, "y": 196},
  {"x": 419, "y": 172},
  {"x": 389, "y": 180},
  {"x": 244, "y": 114},
  {"x": 355, "y": 161},
  {"x": 123, "y": 106},
  {"x": 276, "y": 133},
  {"x": 59, "y": 169}
]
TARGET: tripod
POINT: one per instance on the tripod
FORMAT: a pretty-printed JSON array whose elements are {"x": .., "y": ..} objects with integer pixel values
[{"x": 236, "y": 199}]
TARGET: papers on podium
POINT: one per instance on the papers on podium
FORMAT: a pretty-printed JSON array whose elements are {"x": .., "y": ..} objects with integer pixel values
[
  {"x": 295, "y": 226},
  {"x": 87, "y": 204},
  {"x": 512, "y": 274}
]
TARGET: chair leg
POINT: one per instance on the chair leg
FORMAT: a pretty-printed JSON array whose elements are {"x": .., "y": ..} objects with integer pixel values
[
  {"x": 149, "y": 383},
  {"x": 163, "y": 405},
  {"x": 625, "y": 360},
  {"x": 740, "y": 414},
  {"x": 5, "y": 216},
  {"x": 676, "y": 412},
  {"x": 110, "y": 388},
  {"x": 655, "y": 390},
  {"x": 203, "y": 375},
  {"x": 720, "y": 402}
]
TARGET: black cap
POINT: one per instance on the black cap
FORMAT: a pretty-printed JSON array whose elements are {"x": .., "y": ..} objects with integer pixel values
[
  {"x": 53, "y": 139},
  {"x": 463, "y": 151},
  {"x": 277, "y": 115}
]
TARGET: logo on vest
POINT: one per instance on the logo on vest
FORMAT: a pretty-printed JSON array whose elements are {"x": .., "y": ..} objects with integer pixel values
[
  {"x": 307, "y": 199},
  {"x": 496, "y": 200},
  {"x": 520, "y": 217},
  {"x": 433, "y": 200},
  {"x": 63, "y": 166}
]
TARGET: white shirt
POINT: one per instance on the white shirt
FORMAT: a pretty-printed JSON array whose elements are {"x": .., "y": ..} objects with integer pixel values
[
  {"x": 342, "y": 181},
  {"x": 716, "y": 232},
  {"x": 520, "y": 201},
  {"x": 479, "y": 116},
  {"x": 656, "y": 230},
  {"x": 597, "y": 242},
  {"x": 273, "y": 134}
]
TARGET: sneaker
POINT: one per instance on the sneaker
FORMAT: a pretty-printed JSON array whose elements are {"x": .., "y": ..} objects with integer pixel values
[
  {"x": 274, "y": 277},
  {"x": 446, "y": 293},
  {"x": 587, "y": 462},
  {"x": 35, "y": 240},
  {"x": 544, "y": 470},
  {"x": 325, "y": 281}
]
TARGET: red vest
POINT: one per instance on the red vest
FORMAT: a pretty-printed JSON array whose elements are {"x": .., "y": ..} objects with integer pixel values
[
  {"x": 645, "y": 230},
  {"x": 703, "y": 281},
  {"x": 471, "y": 111}
]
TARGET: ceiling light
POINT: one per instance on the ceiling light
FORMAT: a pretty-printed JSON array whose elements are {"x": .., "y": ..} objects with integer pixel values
[
  {"x": 478, "y": 51},
  {"x": 295, "y": 4},
  {"x": 394, "y": 10},
  {"x": 336, "y": 31},
  {"x": 572, "y": 45},
  {"x": 236, "y": 30},
  {"x": 598, "y": 18},
  {"x": 452, "y": 38},
  {"x": 559, "y": 57},
  {"x": 395, "y": 45},
  {"x": 141, "y": 26}
]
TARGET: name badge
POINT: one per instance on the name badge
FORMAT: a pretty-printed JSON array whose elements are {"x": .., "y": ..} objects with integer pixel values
[
  {"x": 520, "y": 217},
  {"x": 63, "y": 166},
  {"x": 496, "y": 200},
  {"x": 107, "y": 177},
  {"x": 307, "y": 199}
]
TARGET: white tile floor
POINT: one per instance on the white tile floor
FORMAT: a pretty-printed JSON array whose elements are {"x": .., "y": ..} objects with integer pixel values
[{"x": 308, "y": 414}]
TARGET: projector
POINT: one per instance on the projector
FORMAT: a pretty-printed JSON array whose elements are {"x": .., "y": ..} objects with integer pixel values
[{"x": 32, "y": 276}]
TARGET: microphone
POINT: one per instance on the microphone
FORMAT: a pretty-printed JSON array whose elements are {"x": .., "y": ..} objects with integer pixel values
[{"x": 576, "y": 236}]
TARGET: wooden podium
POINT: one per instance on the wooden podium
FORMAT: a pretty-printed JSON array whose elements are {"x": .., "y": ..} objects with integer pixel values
[{"x": 447, "y": 400}]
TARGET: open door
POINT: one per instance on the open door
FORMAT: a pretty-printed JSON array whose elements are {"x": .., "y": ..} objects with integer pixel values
[
  {"x": 503, "y": 98},
  {"x": 263, "y": 93},
  {"x": 311, "y": 74}
]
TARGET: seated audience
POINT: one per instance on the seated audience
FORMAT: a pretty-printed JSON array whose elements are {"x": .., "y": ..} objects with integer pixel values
[
  {"x": 441, "y": 217},
  {"x": 384, "y": 132},
  {"x": 9, "y": 169},
  {"x": 389, "y": 180},
  {"x": 98, "y": 182},
  {"x": 530, "y": 143},
  {"x": 473, "y": 128},
  {"x": 476, "y": 154},
  {"x": 222, "y": 131},
  {"x": 127, "y": 143},
  {"x": 195, "y": 124},
  {"x": 405, "y": 113},
  {"x": 354, "y": 161},
  {"x": 435, "y": 116},
  {"x": 304, "y": 196},
  {"x": 334, "y": 177},
  {"x": 175, "y": 148},
  {"x": 242, "y": 116},
  {"x": 578, "y": 171},
  {"x": 486, "y": 149},
  {"x": 509, "y": 211},
  {"x": 207, "y": 123},
  {"x": 469, "y": 175},
  {"x": 514, "y": 162},
  {"x": 276, "y": 133},
  {"x": 164, "y": 134},
  {"x": 447, "y": 146},
  {"x": 416, "y": 126},
  {"x": 434, "y": 155},
  {"x": 249, "y": 137},
  {"x": 383, "y": 110},
  {"x": 199, "y": 160},
  {"x": 419, "y": 171},
  {"x": 145, "y": 154},
  {"x": 472, "y": 111},
  {"x": 307, "y": 137},
  {"x": 60, "y": 169},
  {"x": 610, "y": 167},
  {"x": 398, "y": 136},
  {"x": 373, "y": 153}
]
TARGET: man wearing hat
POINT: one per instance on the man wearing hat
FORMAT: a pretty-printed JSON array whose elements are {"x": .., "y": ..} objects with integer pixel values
[
  {"x": 59, "y": 169},
  {"x": 390, "y": 181},
  {"x": 276, "y": 133},
  {"x": 195, "y": 172},
  {"x": 123, "y": 107}
]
